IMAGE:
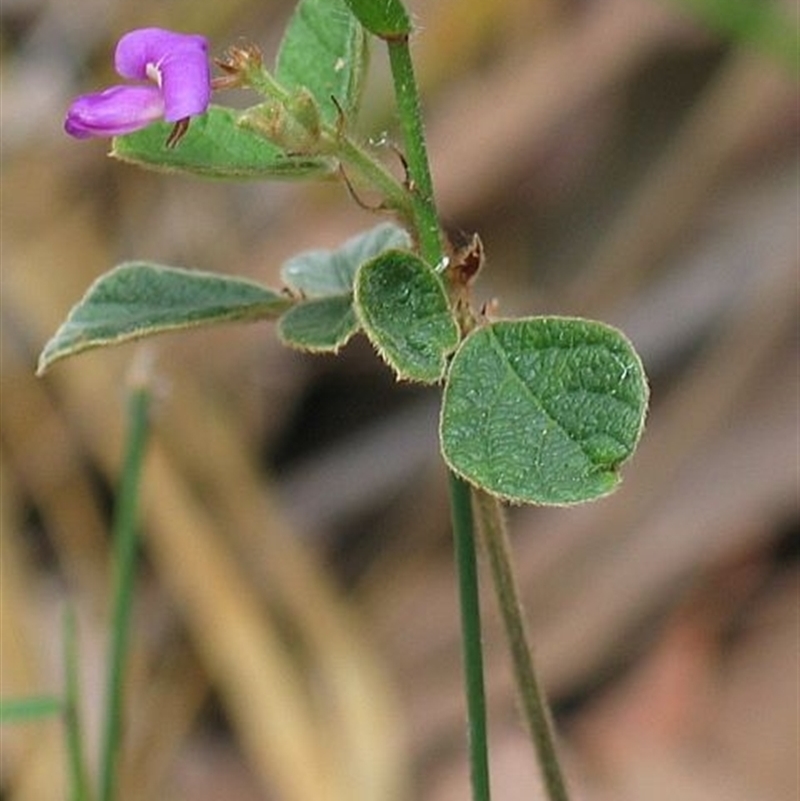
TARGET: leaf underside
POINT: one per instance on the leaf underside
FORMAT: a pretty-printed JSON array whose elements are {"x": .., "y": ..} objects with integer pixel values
[
  {"x": 320, "y": 273},
  {"x": 325, "y": 320},
  {"x": 322, "y": 324},
  {"x": 138, "y": 299}
]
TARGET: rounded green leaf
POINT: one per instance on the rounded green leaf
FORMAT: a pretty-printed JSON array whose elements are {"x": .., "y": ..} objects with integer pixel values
[
  {"x": 543, "y": 410},
  {"x": 387, "y": 19},
  {"x": 217, "y": 146},
  {"x": 324, "y": 51},
  {"x": 320, "y": 273},
  {"x": 139, "y": 299},
  {"x": 323, "y": 324},
  {"x": 404, "y": 310}
]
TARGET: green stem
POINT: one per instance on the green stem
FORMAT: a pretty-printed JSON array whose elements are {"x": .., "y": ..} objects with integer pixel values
[
  {"x": 421, "y": 185},
  {"x": 79, "y": 784},
  {"x": 261, "y": 81},
  {"x": 371, "y": 172},
  {"x": 428, "y": 234},
  {"x": 126, "y": 545},
  {"x": 534, "y": 705},
  {"x": 466, "y": 561},
  {"x": 361, "y": 166}
]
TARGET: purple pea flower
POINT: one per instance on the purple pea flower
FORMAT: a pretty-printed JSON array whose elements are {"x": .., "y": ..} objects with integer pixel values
[{"x": 176, "y": 66}]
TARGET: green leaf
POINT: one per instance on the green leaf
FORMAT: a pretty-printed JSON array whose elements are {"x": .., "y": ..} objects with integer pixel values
[
  {"x": 323, "y": 324},
  {"x": 18, "y": 710},
  {"x": 326, "y": 321},
  {"x": 138, "y": 299},
  {"x": 404, "y": 310},
  {"x": 320, "y": 273},
  {"x": 216, "y": 146},
  {"x": 387, "y": 19},
  {"x": 543, "y": 410},
  {"x": 324, "y": 50}
]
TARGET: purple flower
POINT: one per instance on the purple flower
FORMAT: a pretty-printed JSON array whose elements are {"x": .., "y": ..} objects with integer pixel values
[{"x": 176, "y": 64}]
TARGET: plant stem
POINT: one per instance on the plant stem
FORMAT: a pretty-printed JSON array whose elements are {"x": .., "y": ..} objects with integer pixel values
[
  {"x": 466, "y": 561},
  {"x": 534, "y": 705},
  {"x": 427, "y": 226},
  {"x": 373, "y": 173},
  {"x": 428, "y": 235},
  {"x": 78, "y": 782},
  {"x": 334, "y": 140},
  {"x": 126, "y": 545}
]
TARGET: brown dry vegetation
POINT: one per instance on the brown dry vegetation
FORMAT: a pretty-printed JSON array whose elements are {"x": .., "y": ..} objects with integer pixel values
[{"x": 296, "y": 627}]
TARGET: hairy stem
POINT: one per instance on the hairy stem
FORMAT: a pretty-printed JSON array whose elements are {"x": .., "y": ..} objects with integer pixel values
[
  {"x": 368, "y": 170},
  {"x": 357, "y": 162},
  {"x": 534, "y": 705},
  {"x": 427, "y": 225}
]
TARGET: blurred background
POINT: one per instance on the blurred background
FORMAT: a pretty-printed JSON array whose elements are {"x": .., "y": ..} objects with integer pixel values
[{"x": 296, "y": 629}]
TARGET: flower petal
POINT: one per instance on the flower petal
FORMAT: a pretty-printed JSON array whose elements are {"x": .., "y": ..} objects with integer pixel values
[
  {"x": 185, "y": 83},
  {"x": 113, "y": 112},
  {"x": 136, "y": 49}
]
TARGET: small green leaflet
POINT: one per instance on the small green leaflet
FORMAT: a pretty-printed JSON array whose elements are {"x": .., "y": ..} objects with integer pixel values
[
  {"x": 405, "y": 312},
  {"x": 323, "y": 324},
  {"x": 325, "y": 320},
  {"x": 321, "y": 273},
  {"x": 138, "y": 299},
  {"x": 324, "y": 50}
]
